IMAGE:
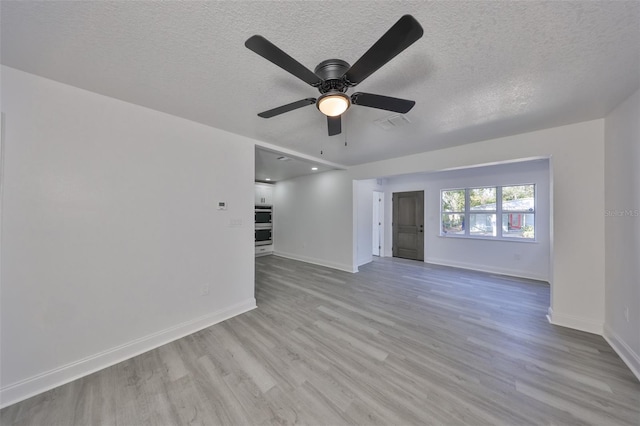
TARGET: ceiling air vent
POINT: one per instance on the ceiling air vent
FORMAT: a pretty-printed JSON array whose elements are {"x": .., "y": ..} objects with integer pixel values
[{"x": 392, "y": 122}]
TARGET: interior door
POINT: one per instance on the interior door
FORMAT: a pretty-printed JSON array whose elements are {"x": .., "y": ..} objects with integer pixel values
[
  {"x": 408, "y": 225},
  {"x": 377, "y": 229}
]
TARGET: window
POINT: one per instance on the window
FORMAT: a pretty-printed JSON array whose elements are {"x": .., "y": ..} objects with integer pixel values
[
  {"x": 453, "y": 207},
  {"x": 482, "y": 212},
  {"x": 474, "y": 212},
  {"x": 518, "y": 211}
]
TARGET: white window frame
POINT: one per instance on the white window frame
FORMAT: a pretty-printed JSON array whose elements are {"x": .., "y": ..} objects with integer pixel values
[
  {"x": 498, "y": 212},
  {"x": 463, "y": 213}
]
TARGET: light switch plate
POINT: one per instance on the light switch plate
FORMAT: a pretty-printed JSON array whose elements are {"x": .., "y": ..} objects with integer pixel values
[{"x": 235, "y": 223}]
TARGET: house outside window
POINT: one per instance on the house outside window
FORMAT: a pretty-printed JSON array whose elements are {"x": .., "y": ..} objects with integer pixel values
[{"x": 494, "y": 212}]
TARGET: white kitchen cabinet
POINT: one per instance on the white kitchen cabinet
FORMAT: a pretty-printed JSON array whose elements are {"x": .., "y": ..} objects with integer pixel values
[
  {"x": 264, "y": 194},
  {"x": 264, "y": 250}
]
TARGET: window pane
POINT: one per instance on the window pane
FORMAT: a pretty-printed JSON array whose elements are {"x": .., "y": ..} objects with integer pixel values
[
  {"x": 453, "y": 224},
  {"x": 482, "y": 224},
  {"x": 482, "y": 198},
  {"x": 518, "y": 225},
  {"x": 518, "y": 198},
  {"x": 453, "y": 201}
]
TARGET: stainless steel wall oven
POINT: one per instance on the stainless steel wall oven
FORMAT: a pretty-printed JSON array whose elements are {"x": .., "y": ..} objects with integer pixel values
[
  {"x": 264, "y": 226},
  {"x": 264, "y": 215},
  {"x": 264, "y": 236}
]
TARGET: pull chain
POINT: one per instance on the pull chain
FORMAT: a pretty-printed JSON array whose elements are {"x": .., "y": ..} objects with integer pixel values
[{"x": 345, "y": 134}]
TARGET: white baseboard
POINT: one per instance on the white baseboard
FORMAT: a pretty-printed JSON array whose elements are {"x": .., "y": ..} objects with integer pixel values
[
  {"x": 623, "y": 350},
  {"x": 364, "y": 262},
  {"x": 577, "y": 323},
  {"x": 320, "y": 262},
  {"x": 59, "y": 376},
  {"x": 492, "y": 270}
]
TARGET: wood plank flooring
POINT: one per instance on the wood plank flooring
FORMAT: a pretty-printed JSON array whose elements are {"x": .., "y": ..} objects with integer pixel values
[{"x": 401, "y": 342}]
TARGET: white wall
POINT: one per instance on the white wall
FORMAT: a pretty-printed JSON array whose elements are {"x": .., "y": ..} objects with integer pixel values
[
  {"x": 517, "y": 258},
  {"x": 110, "y": 232},
  {"x": 363, "y": 190},
  {"x": 314, "y": 220},
  {"x": 577, "y": 174},
  {"x": 622, "y": 219}
]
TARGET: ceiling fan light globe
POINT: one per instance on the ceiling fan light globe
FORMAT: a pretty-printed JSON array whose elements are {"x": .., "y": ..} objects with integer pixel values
[{"x": 333, "y": 104}]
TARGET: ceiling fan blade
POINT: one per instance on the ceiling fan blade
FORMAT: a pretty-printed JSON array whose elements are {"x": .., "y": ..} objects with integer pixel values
[
  {"x": 335, "y": 125},
  {"x": 370, "y": 100},
  {"x": 403, "y": 34},
  {"x": 286, "y": 108},
  {"x": 271, "y": 52}
]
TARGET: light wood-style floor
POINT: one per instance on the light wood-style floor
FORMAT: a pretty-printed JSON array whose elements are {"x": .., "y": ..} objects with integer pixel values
[{"x": 401, "y": 342}]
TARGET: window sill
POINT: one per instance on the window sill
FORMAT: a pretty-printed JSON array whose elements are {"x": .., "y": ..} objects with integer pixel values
[{"x": 508, "y": 240}]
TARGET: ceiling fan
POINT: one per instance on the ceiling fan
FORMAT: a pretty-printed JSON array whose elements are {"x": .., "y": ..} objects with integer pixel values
[{"x": 334, "y": 76}]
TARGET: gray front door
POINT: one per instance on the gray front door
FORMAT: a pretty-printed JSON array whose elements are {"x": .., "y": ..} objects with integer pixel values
[{"x": 408, "y": 225}]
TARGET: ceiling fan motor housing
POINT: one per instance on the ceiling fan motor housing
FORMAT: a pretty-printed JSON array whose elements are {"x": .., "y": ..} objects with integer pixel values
[{"x": 332, "y": 72}]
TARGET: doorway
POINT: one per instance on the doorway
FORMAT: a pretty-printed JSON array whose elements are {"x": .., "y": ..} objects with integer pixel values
[
  {"x": 377, "y": 234},
  {"x": 408, "y": 225}
]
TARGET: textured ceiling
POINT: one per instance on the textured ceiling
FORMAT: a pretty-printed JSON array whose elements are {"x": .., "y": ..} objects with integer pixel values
[
  {"x": 481, "y": 70},
  {"x": 274, "y": 166}
]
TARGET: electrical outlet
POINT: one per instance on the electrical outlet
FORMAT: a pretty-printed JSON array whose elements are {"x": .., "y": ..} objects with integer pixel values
[
  {"x": 204, "y": 290},
  {"x": 626, "y": 313}
]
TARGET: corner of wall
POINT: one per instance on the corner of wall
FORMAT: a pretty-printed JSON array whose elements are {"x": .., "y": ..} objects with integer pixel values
[
  {"x": 575, "y": 322},
  {"x": 623, "y": 350}
]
